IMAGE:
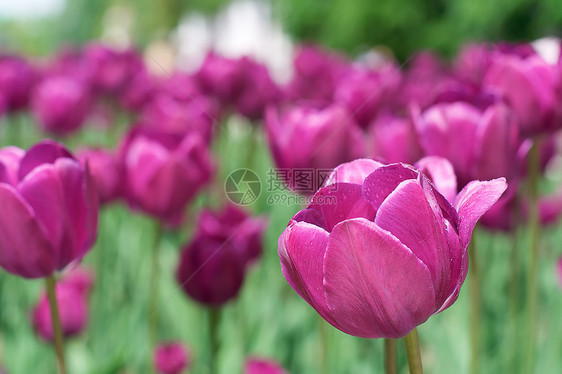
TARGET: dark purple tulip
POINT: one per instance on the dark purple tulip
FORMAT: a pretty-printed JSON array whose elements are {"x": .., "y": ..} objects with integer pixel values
[
  {"x": 480, "y": 144},
  {"x": 212, "y": 265},
  {"x": 53, "y": 208},
  {"x": 256, "y": 365},
  {"x": 306, "y": 137},
  {"x": 16, "y": 80},
  {"x": 138, "y": 91},
  {"x": 364, "y": 91},
  {"x": 106, "y": 171},
  {"x": 163, "y": 171},
  {"x": 259, "y": 92},
  {"x": 233, "y": 223},
  {"x": 346, "y": 255},
  {"x": 171, "y": 358},
  {"x": 72, "y": 298},
  {"x": 529, "y": 86},
  {"x": 60, "y": 104},
  {"x": 394, "y": 139},
  {"x": 316, "y": 74}
]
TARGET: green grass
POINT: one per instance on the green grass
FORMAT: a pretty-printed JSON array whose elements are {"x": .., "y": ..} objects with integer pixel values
[{"x": 268, "y": 319}]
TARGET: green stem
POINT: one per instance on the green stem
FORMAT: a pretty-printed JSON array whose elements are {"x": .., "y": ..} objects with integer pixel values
[
  {"x": 413, "y": 352},
  {"x": 390, "y": 366},
  {"x": 50, "y": 283},
  {"x": 475, "y": 308},
  {"x": 534, "y": 233},
  {"x": 514, "y": 289},
  {"x": 214, "y": 343},
  {"x": 323, "y": 346},
  {"x": 153, "y": 296}
]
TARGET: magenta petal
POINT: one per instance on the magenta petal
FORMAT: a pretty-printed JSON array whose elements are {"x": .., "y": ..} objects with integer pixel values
[
  {"x": 339, "y": 202},
  {"x": 24, "y": 250},
  {"x": 9, "y": 164},
  {"x": 353, "y": 172},
  {"x": 301, "y": 251},
  {"x": 380, "y": 183},
  {"x": 440, "y": 171},
  {"x": 473, "y": 201},
  {"x": 408, "y": 215},
  {"x": 375, "y": 286},
  {"x": 45, "y": 152}
]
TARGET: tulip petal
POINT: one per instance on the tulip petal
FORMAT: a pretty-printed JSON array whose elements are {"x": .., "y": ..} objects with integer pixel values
[
  {"x": 9, "y": 163},
  {"x": 301, "y": 251},
  {"x": 380, "y": 183},
  {"x": 24, "y": 250},
  {"x": 353, "y": 172},
  {"x": 45, "y": 152},
  {"x": 473, "y": 201},
  {"x": 339, "y": 202},
  {"x": 440, "y": 171},
  {"x": 375, "y": 286},
  {"x": 410, "y": 217}
]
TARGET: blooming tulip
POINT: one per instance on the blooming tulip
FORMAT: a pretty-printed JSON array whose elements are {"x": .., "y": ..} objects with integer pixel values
[
  {"x": 164, "y": 171},
  {"x": 72, "y": 293},
  {"x": 171, "y": 358},
  {"x": 261, "y": 366},
  {"x": 387, "y": 254},
  {"x": 106, "y": 171},
  {"x": 61, "y": 104},
  {"x": 53, "y": 209},
  {"x": 16, "y": 80}
]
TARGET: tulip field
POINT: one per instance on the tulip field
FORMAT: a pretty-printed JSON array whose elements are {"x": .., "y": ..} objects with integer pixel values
[{"x": 360, "y": 215}]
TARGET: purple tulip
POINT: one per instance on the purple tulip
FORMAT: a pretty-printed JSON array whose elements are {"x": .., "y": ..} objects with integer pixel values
[
  {"x": 171, "y": 358},
  {"x": 163, "y": 171},
  {"x": 61, "y": 104},
  {"x": 53, "y": 208},
  {"x": 480, "y": 144},
  {"x": 472, "y": 63},
  {"x": 234, "y": 224},
  {"x": 16, "y": 80},
  {"x": 72, "y": 298},
  {"x": 256, "y": 365},
  {"x": 106, "y": 171},
  {"x": 529, "y": 86},
  {"x": 379, "y": 258},
  {"x": 394, "y": 139},
  {"x": 316, "y": 74},
  {"x": 313, "y": 138},
  {"x": 212, "y": 266},
  {"x": 138, "y": 91},
  {"x": 364, "y": 91}
]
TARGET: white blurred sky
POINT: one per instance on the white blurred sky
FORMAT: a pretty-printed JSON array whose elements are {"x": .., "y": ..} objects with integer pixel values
[{"x": 25, "y": 9}]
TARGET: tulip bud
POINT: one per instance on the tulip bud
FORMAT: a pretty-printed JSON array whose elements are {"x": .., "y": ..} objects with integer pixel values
[
  {"x": 106, "y": 171},
  {"x": 16, "y": 80},
  {"x": 394, "y": 139},
  {"x": 53, "y": 209},
  {"x": 72, "y": 295},
  {"x": 262, "y": 366},
  {"x": 61, "y": 104},
  {"x": 346, "y": 255},
  {"x": 171, "y": 358},
  {"x": 164, "y": 171}
]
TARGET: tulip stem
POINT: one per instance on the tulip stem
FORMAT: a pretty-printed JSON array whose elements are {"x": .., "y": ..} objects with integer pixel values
[
  {"x": 475, "y": 308},
  {"x": 50, "y": 283},
  {"x": 390, "y": 366},
  {"x": 214, "y": 320},
  {"x": 153, "y": 296},
  {"x": 534, "y": 233},
  {"x": 413, "y": 352}
]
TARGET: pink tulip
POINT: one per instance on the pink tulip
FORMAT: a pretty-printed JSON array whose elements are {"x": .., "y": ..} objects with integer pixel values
[
  {"x": 394, "y": 139},
  {"x": 529, "y": 86},
  {"x": 256, "y": 365},
  {"x": 106, "y": 171},
  {"x": 472, "y": 63},
  {"x": 163, "y": 171},
  {"x": 72, "y": 298},
  {"x": 308, "y": 138},
  {"x": 60, "y": 104},
  {"x": 138, "y": 91},
  {"x": 16, "y": 80},
  {"x": 480, "y": 144},
  {"x": 171, "y": 358},
  {"x": 379, "y": 258},
  {"x": 53, "y": 209}
]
